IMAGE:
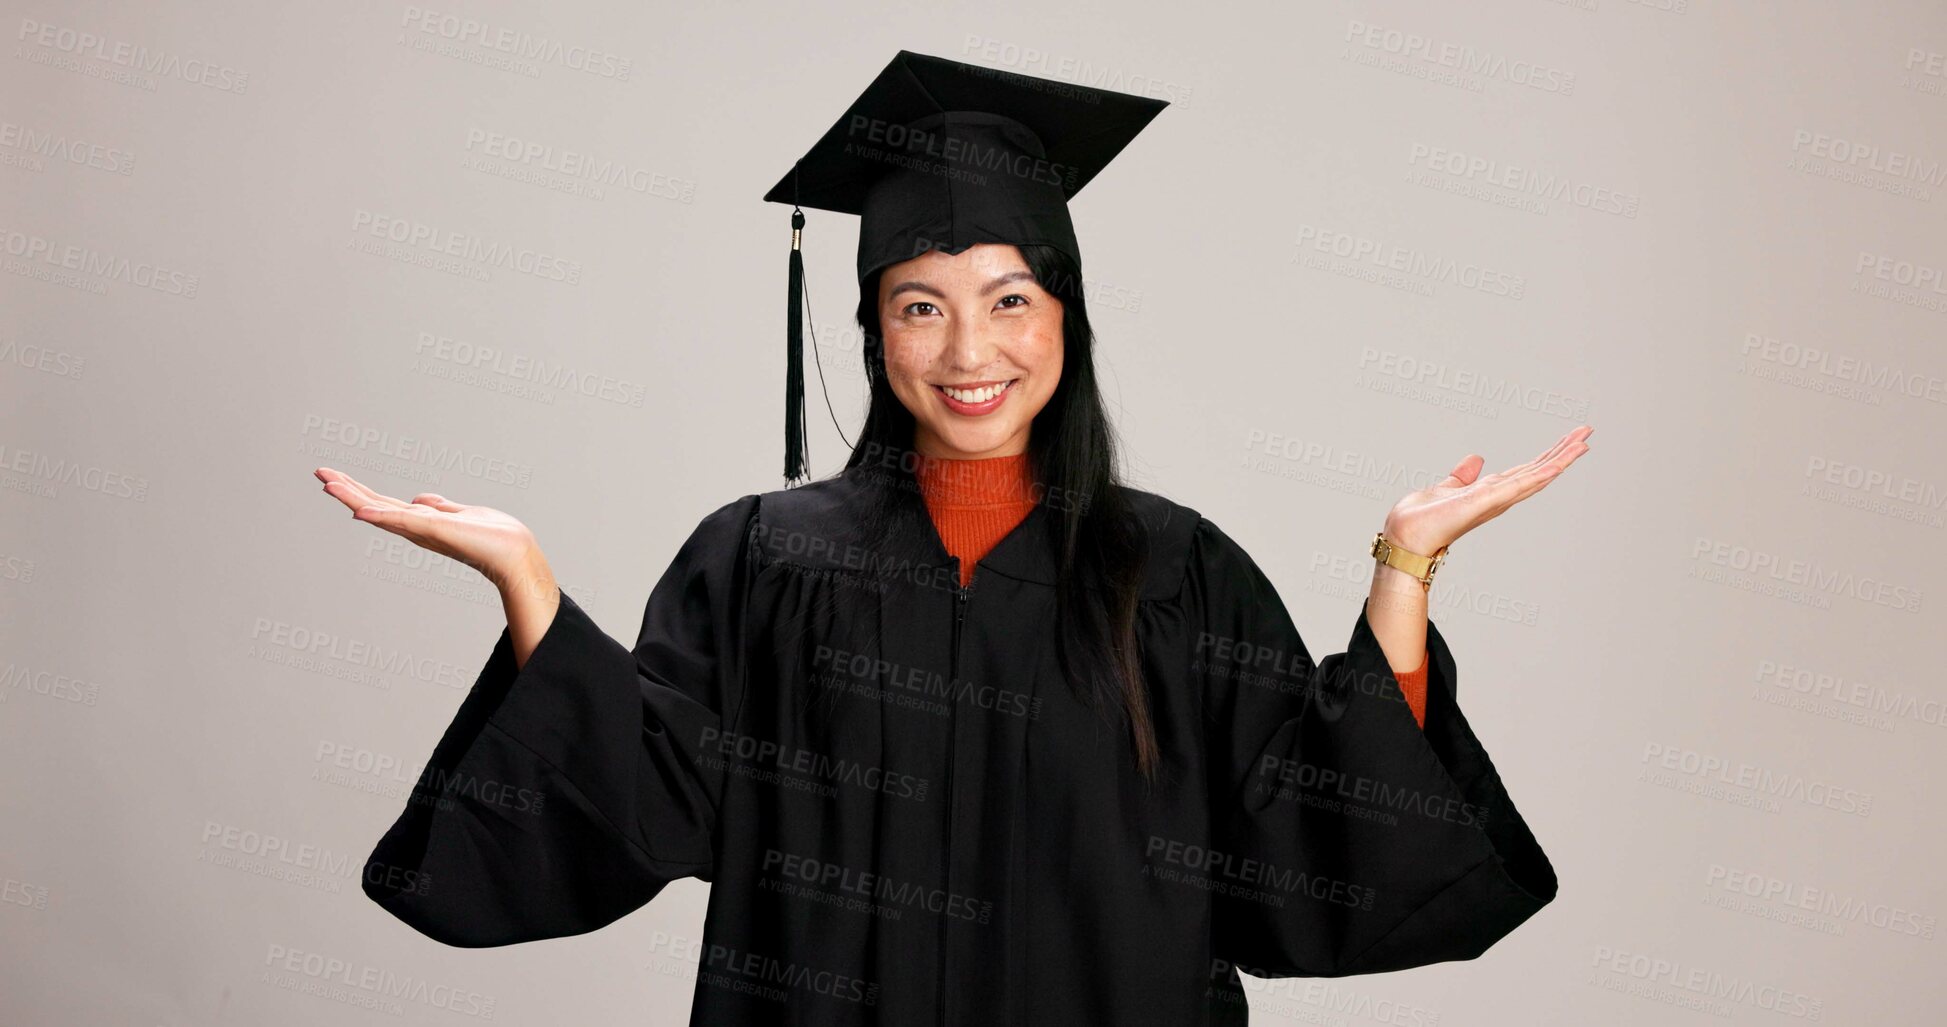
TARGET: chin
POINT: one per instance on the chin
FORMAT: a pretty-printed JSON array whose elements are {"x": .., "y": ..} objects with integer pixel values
[{"x": 969, "y": 445}]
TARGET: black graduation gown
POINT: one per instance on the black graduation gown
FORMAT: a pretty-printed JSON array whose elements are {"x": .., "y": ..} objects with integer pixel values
[{"x": 907, "y": 817}]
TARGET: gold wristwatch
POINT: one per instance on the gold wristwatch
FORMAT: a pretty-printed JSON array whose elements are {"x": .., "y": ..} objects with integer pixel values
[{"x": 1420, "y": 567}]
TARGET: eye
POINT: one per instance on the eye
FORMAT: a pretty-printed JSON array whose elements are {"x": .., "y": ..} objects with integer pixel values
[
  {"x": 908, "y": 310},
  {"x": 1013, "y": 296}
]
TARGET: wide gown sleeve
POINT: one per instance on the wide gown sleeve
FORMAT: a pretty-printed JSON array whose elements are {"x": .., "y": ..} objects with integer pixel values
[
  {"x": 568, "y": 792},
  {"x": 1378, "y": 845}
]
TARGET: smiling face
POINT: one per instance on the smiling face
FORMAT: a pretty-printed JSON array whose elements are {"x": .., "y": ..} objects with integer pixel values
[{"x": 973, "y": 348}]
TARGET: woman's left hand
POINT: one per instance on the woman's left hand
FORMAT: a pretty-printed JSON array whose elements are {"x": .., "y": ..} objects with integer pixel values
[{"x": 1437, "y": 515}]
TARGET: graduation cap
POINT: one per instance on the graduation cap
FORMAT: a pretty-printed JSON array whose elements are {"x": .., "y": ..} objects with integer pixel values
[{"x": 940, "y": 155}]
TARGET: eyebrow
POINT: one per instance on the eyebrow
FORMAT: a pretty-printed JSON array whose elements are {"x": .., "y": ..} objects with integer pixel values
[{"x": 917, "y": 286}]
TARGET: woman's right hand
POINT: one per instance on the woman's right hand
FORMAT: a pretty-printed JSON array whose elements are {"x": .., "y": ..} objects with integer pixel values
[{"x": 494, "y": 543}]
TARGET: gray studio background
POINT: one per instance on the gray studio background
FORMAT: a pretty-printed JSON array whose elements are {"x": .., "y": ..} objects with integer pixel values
[{"x": 1365, "y": 240}]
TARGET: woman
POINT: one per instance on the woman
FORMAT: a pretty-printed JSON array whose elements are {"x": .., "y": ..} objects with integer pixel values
[{"x": 970, "y": 732}]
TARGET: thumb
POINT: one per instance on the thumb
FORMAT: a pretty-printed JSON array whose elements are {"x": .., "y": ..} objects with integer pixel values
[
  {"x": 1465, "y": 471},
  {"x": 438, "y": 502}
]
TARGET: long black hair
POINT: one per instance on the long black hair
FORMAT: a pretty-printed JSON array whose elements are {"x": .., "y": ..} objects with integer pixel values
[{"x": 1072, "y": 461}]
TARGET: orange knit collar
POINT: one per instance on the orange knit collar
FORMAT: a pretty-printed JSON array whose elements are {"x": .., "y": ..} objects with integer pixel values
[{"x": 990, "y": 481}]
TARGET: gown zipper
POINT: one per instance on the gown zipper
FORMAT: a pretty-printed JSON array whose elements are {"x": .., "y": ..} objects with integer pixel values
[{"x": 960, "y": 596}]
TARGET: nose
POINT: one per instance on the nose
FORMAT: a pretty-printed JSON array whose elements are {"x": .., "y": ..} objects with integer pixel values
[{"x": 969, "y": 346}]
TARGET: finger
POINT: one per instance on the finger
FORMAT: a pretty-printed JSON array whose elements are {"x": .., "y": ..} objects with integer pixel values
[
  {"x": 1554, "y": 450},
  {"x": 421, "y": 525},
  {"x": 1575, "y": 437},
  {"x": 380, "y": 496},
  {"x": 330, "y": 477},
  {"x": 331, "y": 474},
  {"x": 1520, "y": 472},
  {"x": 438, "y": 502},
  {"x": 354, "y": 495},
  {"x": 359, "y": 490},
  {"x": 1565, "y": 451},
  {"x": 1502, "y": 491},
  {"x": 1538, "y": 479},
  {"x": 344, "y": 493},
  {"x": 1541, "y": 460}
]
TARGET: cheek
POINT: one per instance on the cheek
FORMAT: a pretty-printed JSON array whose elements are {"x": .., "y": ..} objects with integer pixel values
[
  {"x": 904, "y": 360},
  {"x": 1046, "y": 351}
]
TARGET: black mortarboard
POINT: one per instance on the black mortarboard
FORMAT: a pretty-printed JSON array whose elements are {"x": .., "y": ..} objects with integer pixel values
[{"x": 938, "y": 154}]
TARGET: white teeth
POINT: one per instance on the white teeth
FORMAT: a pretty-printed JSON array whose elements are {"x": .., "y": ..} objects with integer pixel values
[{"x": 980, "y": 395}]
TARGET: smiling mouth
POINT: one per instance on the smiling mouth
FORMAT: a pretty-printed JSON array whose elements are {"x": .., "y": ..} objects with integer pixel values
[{"x": 976, "y": 396}]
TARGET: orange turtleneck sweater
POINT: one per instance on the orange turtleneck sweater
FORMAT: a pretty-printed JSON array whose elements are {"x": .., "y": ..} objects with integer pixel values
[{"x": 975, "y": 503}]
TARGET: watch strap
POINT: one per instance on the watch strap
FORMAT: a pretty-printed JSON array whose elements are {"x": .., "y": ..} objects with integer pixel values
[{"x": 1420, "y": 567}]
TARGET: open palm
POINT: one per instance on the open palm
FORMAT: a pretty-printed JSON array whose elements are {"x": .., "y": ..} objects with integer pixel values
[
  {"x": 488, "y": 540},
  {"x": 1437, "y": 515}
]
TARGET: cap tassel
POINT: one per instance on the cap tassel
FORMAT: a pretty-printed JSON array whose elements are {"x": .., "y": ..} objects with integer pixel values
[{"x": 795, "y": 453}]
